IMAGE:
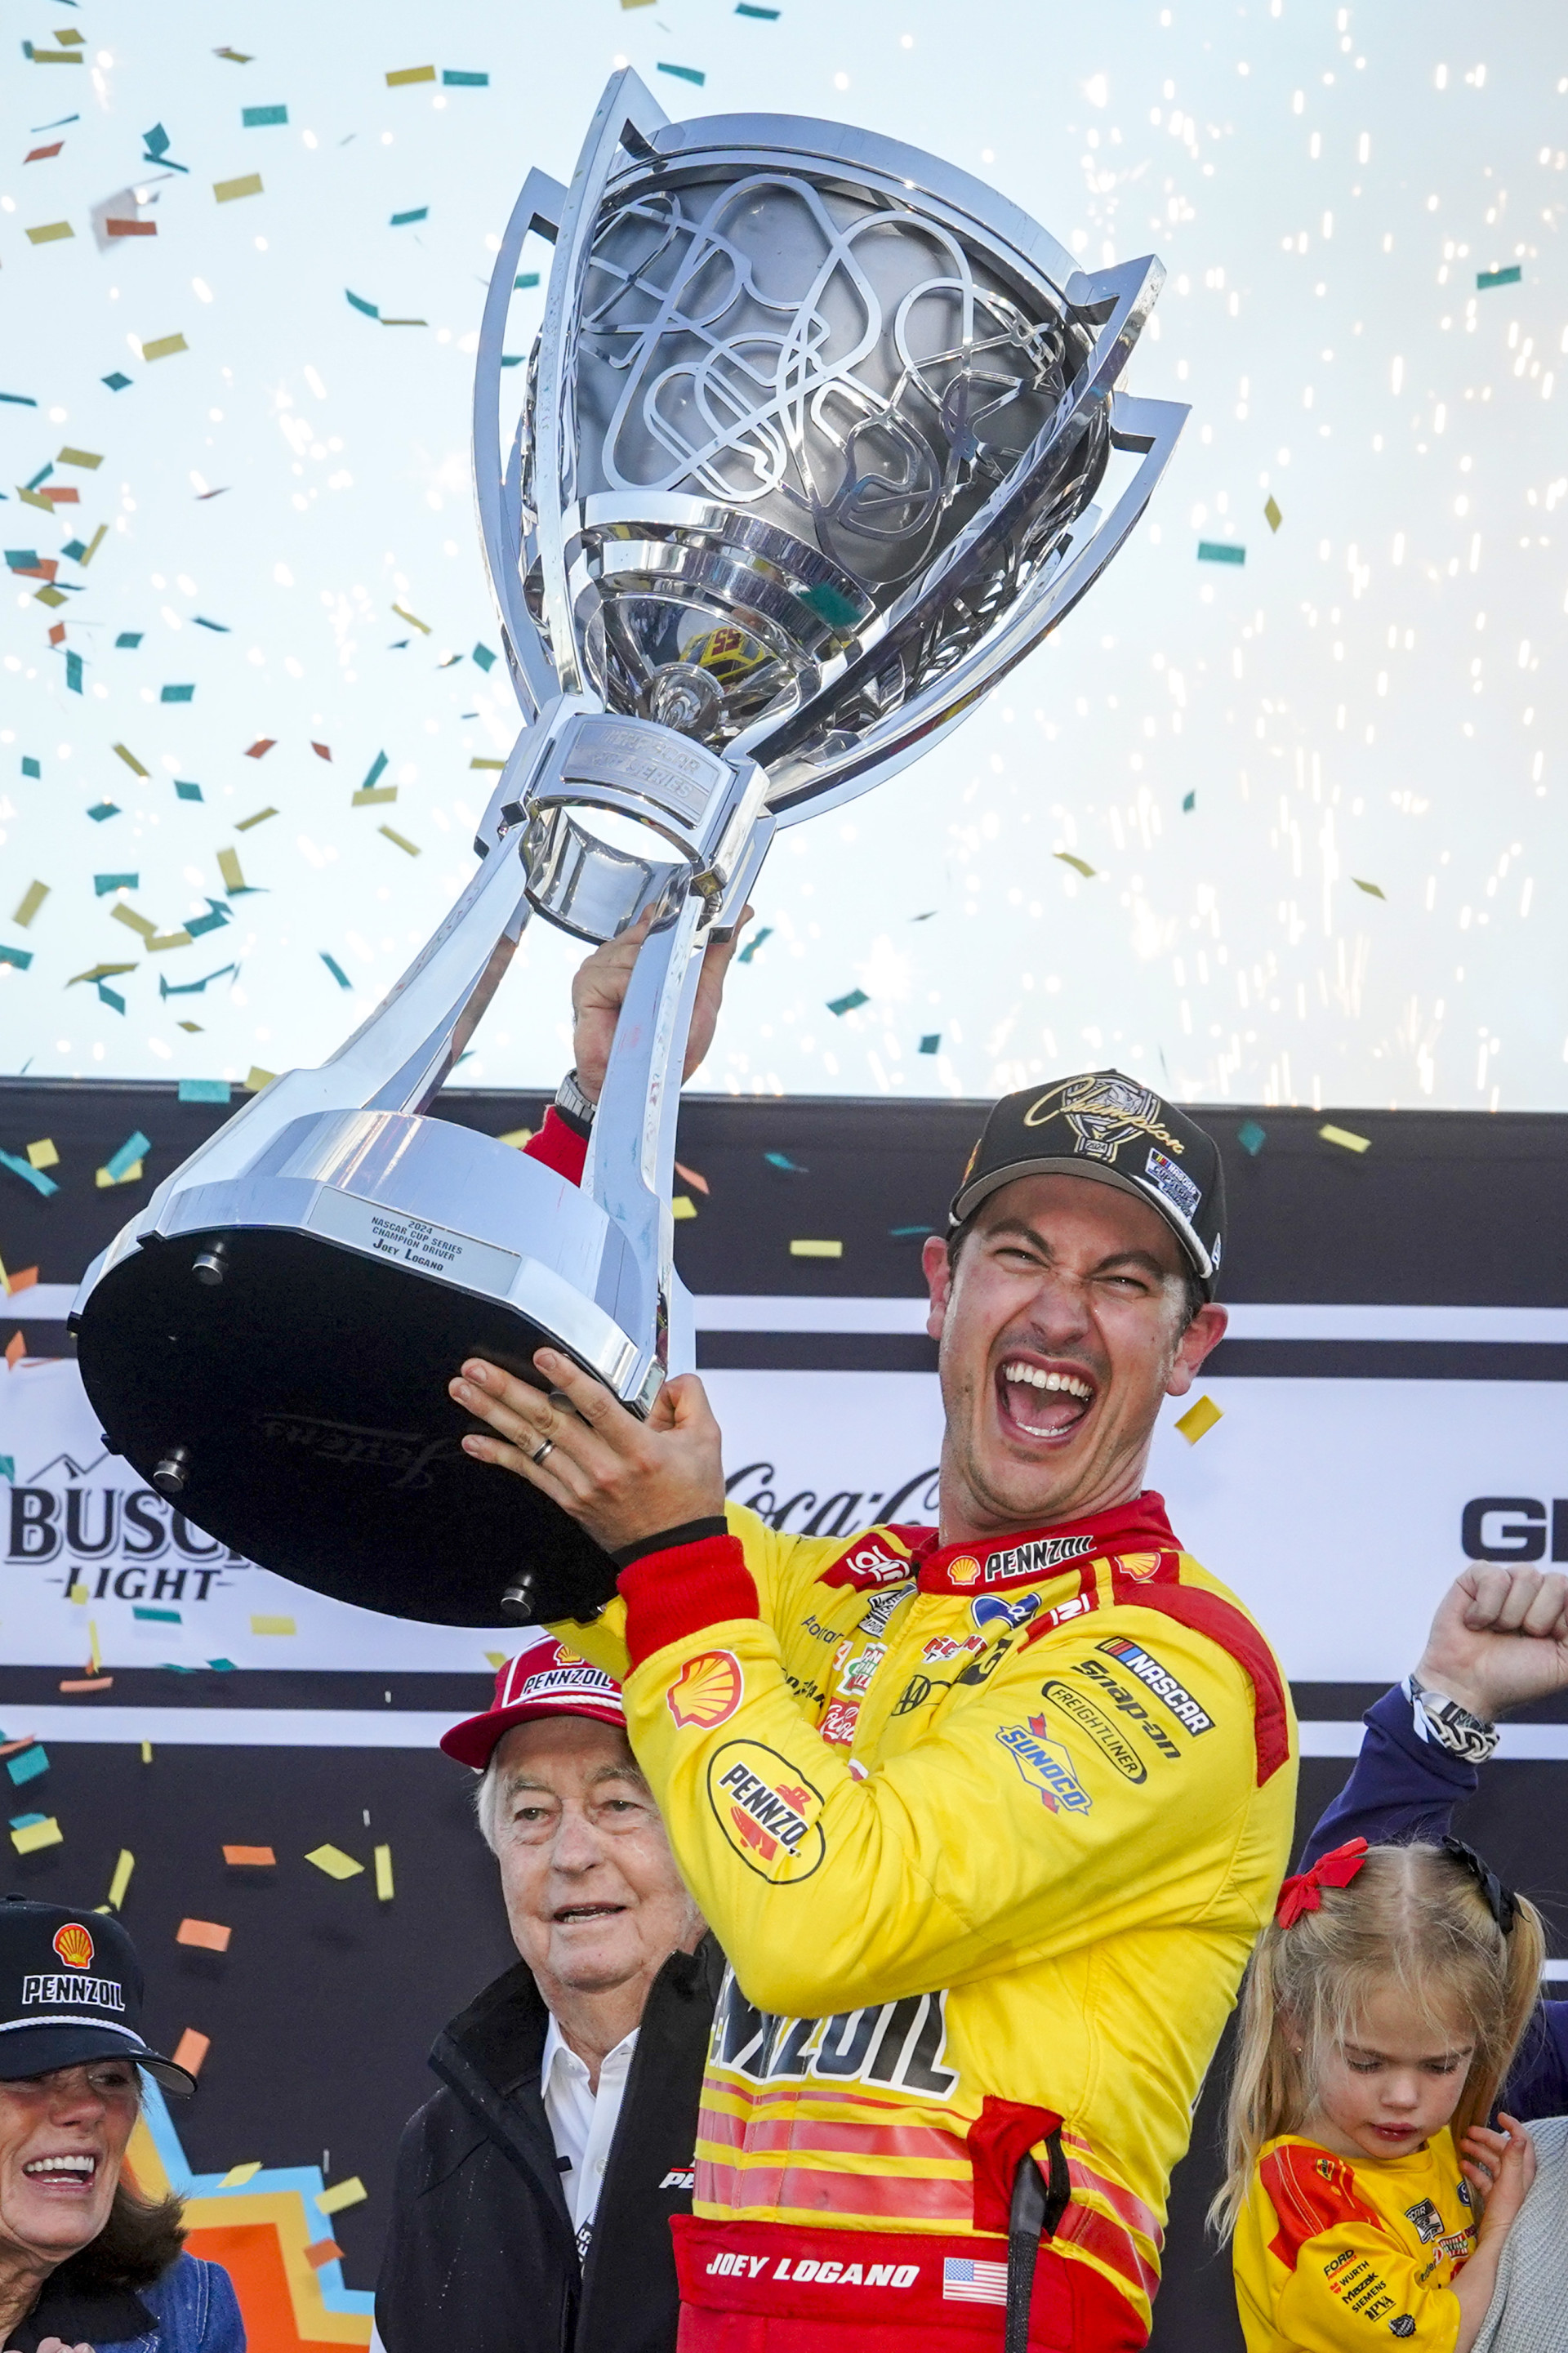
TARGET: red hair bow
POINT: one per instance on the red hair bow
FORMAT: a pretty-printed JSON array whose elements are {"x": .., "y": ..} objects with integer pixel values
[{"x": 1304, "y": 1893}]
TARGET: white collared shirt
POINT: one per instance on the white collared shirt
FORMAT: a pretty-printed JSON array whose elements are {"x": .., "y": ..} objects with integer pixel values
[{"x": 583, "y": 2122}]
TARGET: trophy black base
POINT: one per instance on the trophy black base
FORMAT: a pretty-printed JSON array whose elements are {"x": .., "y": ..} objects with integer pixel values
[{"x": 289, "y": 1397}]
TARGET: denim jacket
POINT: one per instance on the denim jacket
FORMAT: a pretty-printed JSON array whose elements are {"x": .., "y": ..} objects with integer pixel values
[{"x": 191, "y": 2309}]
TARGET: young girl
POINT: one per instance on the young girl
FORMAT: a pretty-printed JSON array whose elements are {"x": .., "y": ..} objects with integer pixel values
[{"x": 1379, "y": 2016}]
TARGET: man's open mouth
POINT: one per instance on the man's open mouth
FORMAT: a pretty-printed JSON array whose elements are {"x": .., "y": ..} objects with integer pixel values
[
  {"x": 1041, "y": 1400},
  {"x": 72, "y": 2172},
  {"x": 566, "y": 1915}
]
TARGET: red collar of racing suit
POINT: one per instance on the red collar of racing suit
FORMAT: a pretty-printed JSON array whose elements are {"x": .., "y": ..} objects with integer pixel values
[{"x": 1138, "y": 1532}]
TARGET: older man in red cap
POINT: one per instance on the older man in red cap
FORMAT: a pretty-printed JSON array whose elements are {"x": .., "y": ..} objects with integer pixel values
[{"x": 534, "y": 2189}]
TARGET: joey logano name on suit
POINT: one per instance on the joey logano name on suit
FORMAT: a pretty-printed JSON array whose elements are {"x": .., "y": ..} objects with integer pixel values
[{"x": 800, "y": 2268}]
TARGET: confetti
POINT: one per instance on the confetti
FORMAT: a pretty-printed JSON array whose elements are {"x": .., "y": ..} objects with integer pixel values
[
  {"x": 121, "y": 1882},
  {"x": 50, "y": 233},
  {"x": 1346, "y": 1138},
  {"x": 273, "y": 1626},
  {"x": 335, "y": 968},
  {"x": 132, "y": 762},
  {"x": 685, "y": 73},
  {"x": 41, "y": 156},
  {"x": 746, "y": 8},
  {"x": 781, "y": 1160},
  {"x": 262, "y": 118},
  {"x": 134, "y": 1150},
  {"x": 404, "y": 614},
  {"x": 256, "y": 1079},
  {"x": 249, "y": 1858},
  {"x": 29, "y": 1765},
  {"x": 343, "y": 2194},
  {"x": 42, "y": 1154},
  {"x": 16, "y": 1349},
  {"x": 213, "y": 1091},
  {"x": 691, "y": 1178},
  {"x": 23, "y": 1168},
  {"x": 1272, "y": 514},
  {"x": 754, "y": 942},
  {"x": 842, "y": 1005},
  {"x": 236, "y": 57},
  {"x": 384, "y": 1886},
  {"x": 260, "y": 817},
  {"x": 192, "y": 2048},
  {"x": 101, "y": 810},
  {"x": 323, "y": 2251},
  {"x": 1079, "y": 865},
  {"x": 239, "y": 2175},
  {"x": 1251, "y": 1137},
  {"x": 406, "y": 74},
  {"x": 1510, "y": 276},
  {"x": 20, "y": 958},
  {"x": 1373, "y": 890},
  {"x": 1189, "y": 803},
  {"x": 517, "y": 1138},
  {"x": 32, "y": 899},
  {"x": 931, "y": 1042},
  {"x": 228, "y": 866},
  {"x": 321, "y": 751},
  {"x": 88, "y": 1683},
  {"x": 261, "y": 748},
  {"x": 682, "y": 1207},
  {"x": 481, "y": 653},
  {"x": 177, "y": 694},
  {"x": 815, "y": 1249},
  {"x": 208, "y": 1935},
  {"x": 337, "y": 1865},
  {"x": 1199, "y": 1419},
  {"x": 146, "y": 1752},
  {"x": 411, "y": 847},
  {"x": 29, "y": 1837},
  {"x": 164, "y": 347},
  {"x": 401, "y": 220},
  {"x": 454, "y": 78},
  {"x": 227, "y": 191}
]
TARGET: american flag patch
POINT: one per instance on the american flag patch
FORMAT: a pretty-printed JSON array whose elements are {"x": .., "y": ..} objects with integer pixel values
[{"x": 967, "y": 2282}]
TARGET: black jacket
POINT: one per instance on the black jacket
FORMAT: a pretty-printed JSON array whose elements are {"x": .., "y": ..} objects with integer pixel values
[{"x": 482, "y": 2254}]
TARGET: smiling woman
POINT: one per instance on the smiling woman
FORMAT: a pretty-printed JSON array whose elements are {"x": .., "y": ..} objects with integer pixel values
[{"x": 87, "y": 2263}]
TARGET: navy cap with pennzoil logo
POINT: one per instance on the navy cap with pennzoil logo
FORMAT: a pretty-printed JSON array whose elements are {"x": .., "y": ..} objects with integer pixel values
[
  {"x": 1109, "y": 1128},
  {"x": 70, "y": 1992}
]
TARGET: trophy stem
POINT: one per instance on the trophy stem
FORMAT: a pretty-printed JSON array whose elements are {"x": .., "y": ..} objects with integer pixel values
[{"x": 631, "y": 1157}]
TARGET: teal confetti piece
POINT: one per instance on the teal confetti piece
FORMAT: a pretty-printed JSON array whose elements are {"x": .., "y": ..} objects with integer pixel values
[
  {"x": 1220, "y": 551},
  {"x": 685, "y": 73},
  {"x": 484, "y": 658},
  {"x": 1510, "y": 276},
  {"x": 20, "y": 957},
  {"x": 101, "y": 809},
  {"x": 110, "y": 997},
  {"x": 73, "y": 672},
  {"x": 359, "y": 304},
  {"x": 931, "y": 1042},
  {"x": 30, "y": 767},
  {"x": 20, "y": 399},
  {"x": 376, "y": 765},
  {"x": 157, "y": 1617},
  {"x": 192, "y": 988},
  {"x": 130, "y": 638},
  {"x": 103, "y": 885},
  {"x": 223, "y": 1666},
  {"x": 8, "y": 1462},
  {"x": 781, "y": 1160},
  {"x": 75, "y": 548},
  {"x": 528, "y": 278},
  {"x": 401, "y": 220},
  {"x": 187, "y": 792},
  {"x": 833, "y": 607},
  {"x": 221, "y": 627},
  {"x": 1189, "y": 803},
  {"x": 177, "y": 694},
  {"x": 218, "y": 914},
  {"x": 335, "y": 968},
  {"x": 906, "y": 1233},
  {"x": 204, "y": 1091},
  {"x": 745, "y": 8},
  {"x": 842, "y": 1005},
  {"x": 1251, "y": 1137},
  {"x": 754, "y": 942},
  {"x": 41, "y": 476},
  {"x": 42, "y": 1184},
  {"x": 511, "y": 359},
  {"x": 29, "y": 1765},
  {"x": 22, "y": 559},
  {"x": 135, "y": 1148},
  {"x": 25, "y": 1821},
  {"x": 262, "y": 118},
  {"x": 117, "y": 382},
  {"x": 453, "y": 79}
]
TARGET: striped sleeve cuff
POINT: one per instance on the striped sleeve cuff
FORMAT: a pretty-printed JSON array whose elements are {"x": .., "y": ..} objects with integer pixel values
[{"x": 684, "y": 1590}]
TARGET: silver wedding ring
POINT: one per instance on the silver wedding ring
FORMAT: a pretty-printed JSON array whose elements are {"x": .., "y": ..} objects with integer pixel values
[{"x": 539, "y": 1454}]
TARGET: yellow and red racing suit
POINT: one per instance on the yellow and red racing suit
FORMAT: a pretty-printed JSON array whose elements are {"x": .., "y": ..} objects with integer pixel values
[
  {"x": 987, "y": 1833},
  {"x": 1331, "y": 2255}
]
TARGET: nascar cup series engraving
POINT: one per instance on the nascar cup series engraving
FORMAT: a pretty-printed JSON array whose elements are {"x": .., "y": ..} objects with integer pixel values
[{"x": 809, "y": 453}]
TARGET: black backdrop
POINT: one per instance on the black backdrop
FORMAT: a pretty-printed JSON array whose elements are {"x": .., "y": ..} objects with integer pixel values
[{"x": 322, "y": 2010}]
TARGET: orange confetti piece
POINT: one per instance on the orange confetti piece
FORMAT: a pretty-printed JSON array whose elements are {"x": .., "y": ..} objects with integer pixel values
[
  {"x": 325, "y": 2251},
  {"x": 208, "y": 1934},
  {"x": 191, "y": 2049},
  {"x": 261, "y": 748},
  {"x": 323, "y": 751},
  {"x": 250, "y": 1858},
  {"x": 16, "y": 1349},
  {"x": 691, "y": 1178},
  {"x": 88, "y": 1682}
]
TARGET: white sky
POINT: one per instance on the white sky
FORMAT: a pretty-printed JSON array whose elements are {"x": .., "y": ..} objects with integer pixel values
[{"x": 1370, "y": 697}]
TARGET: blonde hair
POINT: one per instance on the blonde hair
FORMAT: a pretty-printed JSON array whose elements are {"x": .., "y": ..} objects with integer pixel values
[{"x": 1414, "y": 1917}]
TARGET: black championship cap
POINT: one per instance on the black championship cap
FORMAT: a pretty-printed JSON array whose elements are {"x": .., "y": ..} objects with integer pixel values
[
  {"x": 1108, "y": 1128},
  {"x": 70, "y": 1991}
]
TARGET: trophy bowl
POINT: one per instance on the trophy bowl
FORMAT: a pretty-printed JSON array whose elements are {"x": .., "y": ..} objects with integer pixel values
[{"x": 808, "y": 457}]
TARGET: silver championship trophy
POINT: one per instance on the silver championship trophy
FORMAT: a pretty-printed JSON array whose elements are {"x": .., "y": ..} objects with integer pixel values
[{"x": 807, "y": 460}]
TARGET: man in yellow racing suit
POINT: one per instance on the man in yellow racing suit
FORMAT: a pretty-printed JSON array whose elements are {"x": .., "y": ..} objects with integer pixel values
[{"x": 985, "y": 1817}]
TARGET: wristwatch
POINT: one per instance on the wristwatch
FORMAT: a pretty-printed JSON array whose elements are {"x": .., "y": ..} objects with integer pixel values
[
  {"x": 1448, "y": 1725},
  {"x": 573, "y": 1105}
]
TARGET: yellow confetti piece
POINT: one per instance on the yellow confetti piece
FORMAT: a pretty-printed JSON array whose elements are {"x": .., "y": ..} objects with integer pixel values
[
  {"x": 101, "y": 1177},
  {"x": 1080, "y": 865},
  {"x": 486, "y": 763},
  {"x": 48, "y": 595},
  {"x": 248, "y": 184},
  {"x": 256, "y": 1078},
  {"x": 239, "y": 2175},
  {"x": 229, "y": 867},
  {"x": 92, "y": 1637},
  {"x": 132, "y": 762},
  {"x": 517, "y": 1138},
  {"x": 164, "y": 347},
  {"x": 89, "y": 459},
  {"x": 682, "y": 1207},
  {"x": 817, "y": 1249},
  {"x": 78, "y": 1593},
  {"x": 121, "y": 1879},
  {"x": 1199, "y": 1419},
  {"x": 373, "y": 795},
  {"x": 410, "y": 847},
  {"x": 161, "y": 940},
  {"x": 1372, "y": 888},
  {"x": 498, "y": 1659},
  {"x": 70, "y": 39},
  {"x": 399, "y": 81},
  {"x": 93, "y": 545},
  {"x": 384, "y": 1891},
  {"x": 33, "y": 1835},
  {"x": 1272, "y": 514},
  {"x": 351, "y": 2193},
  {"x": 405, "y": 615},
  {"x": 273, "y": 1626},
  {"x": 32, "y": 899},
  {"x": 50, "y": 234},
  {"x": 1346, "y": 1138},
  {"x": 146, "y": 1752},
  {"x": 260, "y": 819},
  {"x": 337, "y": 1865},
  {"x": 120, "y": 913},
  {"x": 43, "y": 1155}
]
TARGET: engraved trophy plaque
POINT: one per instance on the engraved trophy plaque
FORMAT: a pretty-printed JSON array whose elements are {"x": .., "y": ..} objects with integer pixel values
[{"x": 809, "y": 456}]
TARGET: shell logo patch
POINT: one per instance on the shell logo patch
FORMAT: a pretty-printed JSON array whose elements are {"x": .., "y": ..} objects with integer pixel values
[
  {"x": 74, "y": 1945},
  {"x": 965, "y": 1570},
  {"x": 767, "y": 1811},
  {"x": 707, "y": 1691},
  {"x": 1141, "y": 1565}
]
